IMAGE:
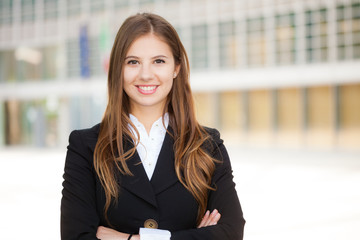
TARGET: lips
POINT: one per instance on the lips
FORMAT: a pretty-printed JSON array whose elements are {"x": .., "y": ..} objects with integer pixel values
[{"x": 147, "y": 89}]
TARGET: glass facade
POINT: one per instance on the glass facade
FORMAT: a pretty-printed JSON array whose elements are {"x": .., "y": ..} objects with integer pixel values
[
  {"x": 73, "y": 8},
  {"x": 256, "y": 42},
  {"x": 27, "y": 11},
  {"x": 73, "y": 58},
  {"x": 6, "y": 12},
  {"x": 7, "y": 66},
  {"x": 40, "y": 42},
  {"x": 121, "y": 3},
  {"x": 95, "y": 60},
  {"x": 285, "y": 39},
  {"x": 97, "y": 6},
  {"x": 199, "y": 47},
  {"x": 348, "y": 31},
  {"x": 227, "y": 45},
  {"x": 316, "y": 35},
  {"x": 356, "y": 30},
  {"x": 50, "y": 9}
]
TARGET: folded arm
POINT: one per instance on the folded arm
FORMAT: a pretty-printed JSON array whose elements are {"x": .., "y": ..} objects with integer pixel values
[{"x": 225, "y": 200}]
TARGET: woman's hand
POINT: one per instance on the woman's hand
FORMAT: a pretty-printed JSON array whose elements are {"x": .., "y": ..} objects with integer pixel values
[
  {"x": 105, "y": 233},
  {"x": 210, "y": 219}
]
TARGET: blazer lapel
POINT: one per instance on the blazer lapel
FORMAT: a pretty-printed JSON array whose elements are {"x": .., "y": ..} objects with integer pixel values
[
  {"x": 139, "y": 183},
  {"x": 164, "y": 174}
]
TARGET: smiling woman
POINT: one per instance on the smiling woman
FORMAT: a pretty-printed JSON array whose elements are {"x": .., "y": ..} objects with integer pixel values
[{"x": 149, "y": 163}]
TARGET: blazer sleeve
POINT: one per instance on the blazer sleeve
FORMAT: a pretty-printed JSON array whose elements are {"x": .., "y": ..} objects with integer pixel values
[
  {"x": 224, "y": 199},
  {"x": 79, "y": 219}
]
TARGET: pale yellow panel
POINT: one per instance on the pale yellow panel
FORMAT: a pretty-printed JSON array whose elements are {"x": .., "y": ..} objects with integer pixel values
[
  {"x": 320, "y": 108},
  {"x": 230, "y": 111},
  {"x": 289, "y": 109},
  {"x": 349, "y": 110},
  {"x": 260, "y": 110},
  {"x": 321, "y": 127},
  {"x": 350, "y": 106},
  {"x": 206, "y": 110},
  {"x": 13, "y": 119}
]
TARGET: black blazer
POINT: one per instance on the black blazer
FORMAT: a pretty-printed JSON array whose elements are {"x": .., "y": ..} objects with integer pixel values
[{"x": 163, "y": 199}]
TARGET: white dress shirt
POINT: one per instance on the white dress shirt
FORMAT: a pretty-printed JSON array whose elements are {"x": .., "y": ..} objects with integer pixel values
[
  {"x": 149, "y": 149},
  {"x": 150, "y": 145}
]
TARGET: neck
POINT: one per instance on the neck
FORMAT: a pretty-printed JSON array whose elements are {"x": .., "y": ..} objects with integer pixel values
[{"x": 147, "y": 116}]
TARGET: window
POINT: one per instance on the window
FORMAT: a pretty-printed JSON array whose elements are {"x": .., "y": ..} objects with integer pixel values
[
  {"x": 348, "y": 31},
  {"x": 50, "y": 9},
  {"x": 48, "y": 63},
  {"x": 7, "y": 66},
  {"x": 227, "y": 45},
  {"x": 73, "y": 8},
  {"x": 6, "y": 12},
  {"x": 285, "y": 39},
  {"x": 27, "y": 11},
  {"x": 96, "y": 67},
  {"x": 316, "y": 35},
  {"x": 199, "y": 49},
  {"x": 97, "y": 6},
  {"x": 256, "y": 44},
  {"x": 73, "y": 58},
  {"x": 121, "y": 4},
  {"x": 146, "y": 1},
  {"x": 356, "y": 29}
]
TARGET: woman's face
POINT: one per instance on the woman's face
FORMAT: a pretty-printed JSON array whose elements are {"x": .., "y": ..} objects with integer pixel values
[{"x": 149, "y": 69}]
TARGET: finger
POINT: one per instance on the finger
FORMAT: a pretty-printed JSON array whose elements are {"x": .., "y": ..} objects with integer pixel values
[
  {"x": 99, "y": 231},
  {"x": 212, "y": 215},
  {"x": 204, "y": 219},
  {"x": 211, "y": 218},
  {"x": 216, "y": 219}
]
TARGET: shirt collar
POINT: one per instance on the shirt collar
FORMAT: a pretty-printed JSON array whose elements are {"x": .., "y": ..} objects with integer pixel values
[{"x": 136, "y": 122}]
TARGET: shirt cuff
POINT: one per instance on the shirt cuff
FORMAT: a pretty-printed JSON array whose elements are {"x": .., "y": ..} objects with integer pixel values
[{"x": 154, "y": 234}]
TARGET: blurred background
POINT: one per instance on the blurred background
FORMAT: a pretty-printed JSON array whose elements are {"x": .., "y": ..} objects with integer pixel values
[{"x": 279, "y": 78}]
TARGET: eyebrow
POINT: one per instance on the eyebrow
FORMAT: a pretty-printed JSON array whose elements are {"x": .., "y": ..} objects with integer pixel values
[
  {"x": 158, "y": 56},
  {"x": 131, "y": 57}
]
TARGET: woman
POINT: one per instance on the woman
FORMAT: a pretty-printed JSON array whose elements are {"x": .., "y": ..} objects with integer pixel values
[{"x": 149, "y": 166}]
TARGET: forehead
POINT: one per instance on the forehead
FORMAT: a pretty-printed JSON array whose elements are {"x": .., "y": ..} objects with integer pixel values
[{"x": 149, "y": 44}]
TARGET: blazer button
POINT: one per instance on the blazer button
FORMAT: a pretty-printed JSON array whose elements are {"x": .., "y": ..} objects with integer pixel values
[{"x": 150, "y": 223}]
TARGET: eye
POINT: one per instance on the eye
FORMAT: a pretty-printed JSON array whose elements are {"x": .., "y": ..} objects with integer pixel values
[
  {"x": 132, "y": 62},
  {"x": 159, "y": 61}
]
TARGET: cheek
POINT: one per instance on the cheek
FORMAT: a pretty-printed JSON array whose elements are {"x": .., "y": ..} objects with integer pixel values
[
  {"x": 129, "y": 75},
  {"x": 170, "y": 85},
  {"x": 167, "y": 76}
]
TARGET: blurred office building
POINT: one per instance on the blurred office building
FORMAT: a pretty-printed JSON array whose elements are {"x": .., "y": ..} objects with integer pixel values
[{"x": 265, "y": 72}]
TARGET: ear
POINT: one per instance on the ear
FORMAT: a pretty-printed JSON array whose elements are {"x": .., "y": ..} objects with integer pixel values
[{"x": 176, "y": 70}]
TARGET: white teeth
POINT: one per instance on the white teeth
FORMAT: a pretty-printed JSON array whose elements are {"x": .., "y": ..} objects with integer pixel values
[{"x": 147, "y": 88}]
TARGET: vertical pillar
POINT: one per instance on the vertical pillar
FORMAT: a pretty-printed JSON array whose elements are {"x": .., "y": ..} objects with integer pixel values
[
  {"x": 63, "y": 122},
  {"x": 245, "y": 117},
  {"x": 335, "y": 105},
  {"x": 2, "y": 124},
  {"x": 304, "y": 113},
  {"x": 274, "y": 110}
]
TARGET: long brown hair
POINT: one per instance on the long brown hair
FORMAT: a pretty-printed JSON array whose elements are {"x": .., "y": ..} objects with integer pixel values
[{"x": 193, "y": 165}]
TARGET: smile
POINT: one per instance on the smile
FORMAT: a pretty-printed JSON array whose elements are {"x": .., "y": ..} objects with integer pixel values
[{"x": 147, "y": 89}]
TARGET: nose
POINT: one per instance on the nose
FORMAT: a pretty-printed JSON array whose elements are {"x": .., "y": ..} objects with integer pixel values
[{"x": 146, "y": 73}]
